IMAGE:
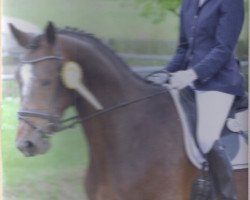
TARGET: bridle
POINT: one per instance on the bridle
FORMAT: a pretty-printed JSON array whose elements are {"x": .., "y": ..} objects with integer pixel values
[
  {"x": 24, "y": 114},
  {"x": 54, "y": 120}
]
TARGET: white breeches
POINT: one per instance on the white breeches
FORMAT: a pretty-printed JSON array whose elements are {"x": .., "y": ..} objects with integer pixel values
[{"x": 212, "y": 110}]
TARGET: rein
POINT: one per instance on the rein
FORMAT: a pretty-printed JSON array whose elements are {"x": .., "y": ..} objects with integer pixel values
[
  {"x": 76, "y": 119},
  {"x": 60, "y": 125}
]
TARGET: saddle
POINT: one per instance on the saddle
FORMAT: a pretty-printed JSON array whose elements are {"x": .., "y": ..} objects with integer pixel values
[{"x": 234, "y": 135}]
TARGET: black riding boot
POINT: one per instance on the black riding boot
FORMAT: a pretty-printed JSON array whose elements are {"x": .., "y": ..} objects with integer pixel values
[
  {"x": 202, "y": 186},
  {"x": 221, "y": 172}
]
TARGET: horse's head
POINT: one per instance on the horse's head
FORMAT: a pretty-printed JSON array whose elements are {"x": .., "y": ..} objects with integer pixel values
[
  {"x": 51, "y": 77},
  {"x": 43, "y": 94}
]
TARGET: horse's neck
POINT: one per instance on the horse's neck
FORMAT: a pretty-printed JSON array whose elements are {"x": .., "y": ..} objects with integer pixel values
[
  {"x": 106, "y": 76},
  {"x": 134, "y": 136},
  {"x": 135, "y": 128}
]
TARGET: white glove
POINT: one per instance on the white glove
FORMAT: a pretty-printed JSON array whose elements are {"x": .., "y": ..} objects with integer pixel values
[
  {"x": 158, "y": 77},
  {"x": 182, "y": 79}
]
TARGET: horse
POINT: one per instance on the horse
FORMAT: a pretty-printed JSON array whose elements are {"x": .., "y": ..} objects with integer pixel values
[{"x": 132, "y": 127}]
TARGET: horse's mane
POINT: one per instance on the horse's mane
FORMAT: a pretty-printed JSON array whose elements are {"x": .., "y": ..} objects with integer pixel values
[
  {"x": 82, "y": 35},
  {"x": 105, "y": 48},
  {"x": 98, "y": 43}
]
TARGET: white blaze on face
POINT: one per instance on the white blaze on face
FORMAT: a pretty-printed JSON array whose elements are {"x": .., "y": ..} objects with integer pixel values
[{"x": 26, "y": 76}]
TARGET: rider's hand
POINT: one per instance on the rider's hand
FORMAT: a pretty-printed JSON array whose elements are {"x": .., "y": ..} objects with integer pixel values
[
  {"x": 182, "y": 79},
  {"x": 159, "y": 77}
]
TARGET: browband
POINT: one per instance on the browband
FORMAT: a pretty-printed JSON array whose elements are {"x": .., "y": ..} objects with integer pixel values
[{"x": 42, "y": 59}]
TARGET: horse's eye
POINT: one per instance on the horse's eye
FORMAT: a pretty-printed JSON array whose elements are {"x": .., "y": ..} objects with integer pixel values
[{"x": 45, "y": 82}]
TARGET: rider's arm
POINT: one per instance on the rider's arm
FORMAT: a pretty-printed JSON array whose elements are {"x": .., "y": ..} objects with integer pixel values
[{"x": 179, "y": 60}]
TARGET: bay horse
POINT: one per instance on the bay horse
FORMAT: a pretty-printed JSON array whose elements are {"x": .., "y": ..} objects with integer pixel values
[{"x": 136, "y": 145}]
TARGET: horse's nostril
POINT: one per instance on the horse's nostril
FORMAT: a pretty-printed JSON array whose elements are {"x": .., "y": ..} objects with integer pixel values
[{"x": 28, "y": 144}]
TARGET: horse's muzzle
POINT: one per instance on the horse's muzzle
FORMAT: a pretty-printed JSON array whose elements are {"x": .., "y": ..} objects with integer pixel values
[
  {"x": 31, "y": 143},
  {"x": 30, "y": 148},
  {"x": 26, "y": 147}
]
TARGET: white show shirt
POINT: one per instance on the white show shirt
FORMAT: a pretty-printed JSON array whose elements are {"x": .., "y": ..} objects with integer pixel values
[{"x": 201, "y": 2}]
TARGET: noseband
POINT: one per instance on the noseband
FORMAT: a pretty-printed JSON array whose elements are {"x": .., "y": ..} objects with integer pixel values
[{"x": 54, "y": 120}]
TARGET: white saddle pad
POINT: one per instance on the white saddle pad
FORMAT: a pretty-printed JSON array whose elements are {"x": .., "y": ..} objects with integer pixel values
[{"x": 239, "y": 162}]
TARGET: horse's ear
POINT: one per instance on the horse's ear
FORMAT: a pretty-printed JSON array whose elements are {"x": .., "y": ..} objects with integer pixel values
[
  {"x": 50, "y": 33},
  {"x": 21, "y": 37}
]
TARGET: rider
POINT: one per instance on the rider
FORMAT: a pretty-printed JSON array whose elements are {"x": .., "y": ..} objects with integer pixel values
[{"x": 205, "y": 60}]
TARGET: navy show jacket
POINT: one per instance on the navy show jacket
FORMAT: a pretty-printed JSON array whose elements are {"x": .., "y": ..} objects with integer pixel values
[{"x": 208, "y": 36}]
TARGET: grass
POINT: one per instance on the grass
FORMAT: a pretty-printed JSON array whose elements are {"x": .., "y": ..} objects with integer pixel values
[{"x": 55, "y": 175}]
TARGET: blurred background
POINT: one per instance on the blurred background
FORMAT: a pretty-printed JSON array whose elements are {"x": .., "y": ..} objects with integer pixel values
[{"x": 143, "y": 32}]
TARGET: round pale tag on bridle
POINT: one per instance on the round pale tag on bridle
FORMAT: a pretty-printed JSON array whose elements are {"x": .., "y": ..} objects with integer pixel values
[
  {"x": 71, "y": 75},
  {"x": 72, "y": 79}
]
